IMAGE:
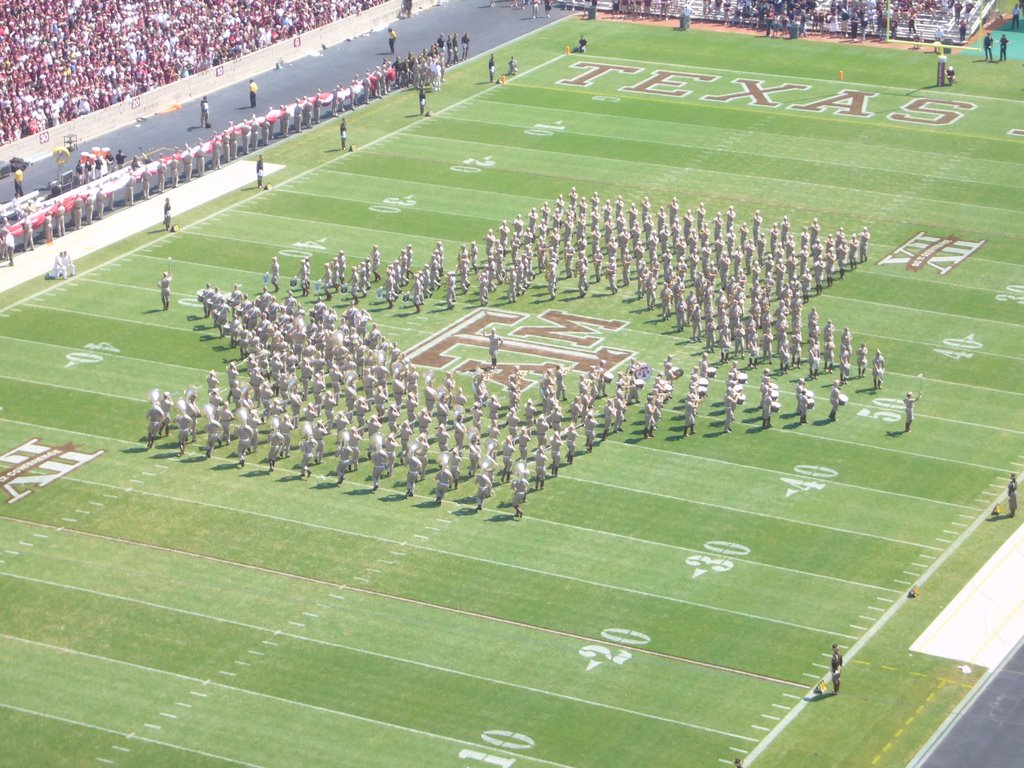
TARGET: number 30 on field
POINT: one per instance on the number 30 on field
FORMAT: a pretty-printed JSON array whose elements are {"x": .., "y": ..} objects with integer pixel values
[{"x": 93, "y": 356}]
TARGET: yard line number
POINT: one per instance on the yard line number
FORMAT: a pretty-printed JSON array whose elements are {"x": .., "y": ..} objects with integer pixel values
[
  {"x": 597, "y": 654},
  {"x": 502, "y": 739},
  {"x": 719, "y": 560},
  {"x": 1013, "y": 293},
  {"x": 92, "y": 356},
  {"x": 887, "y": 409},
  {"x": 808, "y": 478},
  {"x": 959, "y": 349},
  {"x": 472, "y": 165},
  {"x": 394, "y": 204}
]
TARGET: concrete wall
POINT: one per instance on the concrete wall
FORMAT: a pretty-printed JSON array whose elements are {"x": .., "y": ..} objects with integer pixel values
[{"x": 194, "y": 87}]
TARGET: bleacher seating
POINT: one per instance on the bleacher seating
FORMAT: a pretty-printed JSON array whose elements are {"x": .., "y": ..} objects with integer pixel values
[{"x": 67, "y": 58}]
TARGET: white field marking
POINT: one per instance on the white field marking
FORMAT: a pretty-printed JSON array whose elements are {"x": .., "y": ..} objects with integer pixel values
[
  {"x": 26, "y": 544},
  {"x": 136, "y": 737},
  {"x": 200, "y": 695},
  {"x": 947, "y": 383},
  {"x": 820, "y": 666},
  {"x": 69, "y": 520},
  {"x": 811, "y": 675},
  {"x": 242, "y": 663},
  {"x": 760, "y": 728},
  {"x": 692, "y": 550},
  {"x": 780, "y": 473},
  {"x": 737, "y": 749},
  {"x": 944, "y": 541},
  {"x": 183, "y": 705},
  {"x": 770, "y": 717},
  {"x": 808, "y": 433},
  {"x": 120, "y": 748},
  {"x": 411, "y": 601},
  {"x": 388, "y": 562},
  {"x": 153, "y": 726},
  {"x": 296, "y": 623},
  {"x": 256, "y": 653},
  {"x": 858, "y": 628},
  {"x": 895, "y": 90},
  {"x": 111, "y": 496},
  {"x": 137, "y": 482},
  {"x": 149, "y": 474},
  {"x": 782, "y": 706},
  {"x": 338, "y": 597},
  {"x": 168, "y": 714},
  {"x": 80, "y": 434},
  {"x": 756, "y": 514},
  {"x": 945, "y": 315},
  {"x": 94, "y": 503},
  {"x": 920, "y": 565},
  {"x": 399, "y": 554},
  {"x": 40, "y": 536},
  {"x": 905, "y": 583},
  {"x": 916, "y": 342},
  {"x": 106, "y": 760},
  {"x": 226, "y": 673},
  {"x": 311, "y": 615},
  {"x": 65, "y": 310},
  {"x": 23, "y": 380},
  {"x": 512, "y": 566},
  {"x": 135, "y": 286},
  {"x": 374, "y": 570},
  {"x": 923, "y": 556},
  {"x": 359, "y": 718},
  {"x": 420, "y": 536},
  {"x": 884, "y": 619},
  {"x": 431, "y": 528},
  {"x": 112, "y": 356},
  {"x": 12, "y": 552},
  {"x": 793, "y": 696}
]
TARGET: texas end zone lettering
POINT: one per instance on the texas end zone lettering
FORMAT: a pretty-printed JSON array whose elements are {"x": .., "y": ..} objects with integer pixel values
[
  {"x": 567, "y": 340},
  {"x": 34, "y": 465},
  {"x": 760, "y": 93},
  {"x": 942, "y": 254}
]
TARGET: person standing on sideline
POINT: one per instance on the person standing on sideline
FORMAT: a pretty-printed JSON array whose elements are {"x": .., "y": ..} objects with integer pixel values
[
  {"x": 908, "y": 405},
  {"x": 1011, "y": 495},
  {"x": 392, "y": 36},
  {"x": 1003, "y": 42},
  {"x": 986, "y": 44},
  {"x": 1015, "y": 23},
  {"x": 19, "y": 177},
  {"x": 837, "y": 668},
  {"x": 165, "y": 290},
  {"x": 259, "y": 172},
  {"x": 167, "y": 214},
  {"x": 465, "y": 45},
  {"x": 204, "y": 113},
  {"x": 494, "y": 343},
  {"x": 252, "y": 93},
  {"x": 343, "y": 130},
  {"x": 423, "y": 102},
  {"x": 490, "y": 68}
]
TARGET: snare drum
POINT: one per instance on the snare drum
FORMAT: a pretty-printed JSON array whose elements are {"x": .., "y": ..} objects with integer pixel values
[
  {"x": 776, "y": 406},
  {"x": 608, "y": 377},
  {"x": 742, "y": 378},
  {"x": 844, "y": 399},
  {"x": 712, "y": 372},
  {"x": 675, "y": 373}
]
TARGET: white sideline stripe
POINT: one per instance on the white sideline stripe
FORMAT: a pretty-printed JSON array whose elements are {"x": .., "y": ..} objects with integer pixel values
[
  {"x": 867, "y": 636},
  {"x": 134, "y": 736},
  {"x": 741, "y": 511},
  {"x": 113, "y": 319},
  {"x": 360, "y": 718},
  {"x": 511, "y": 566}
]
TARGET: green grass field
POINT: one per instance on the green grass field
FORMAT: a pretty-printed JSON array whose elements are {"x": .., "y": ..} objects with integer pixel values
[{"x": 664, "y": 602}]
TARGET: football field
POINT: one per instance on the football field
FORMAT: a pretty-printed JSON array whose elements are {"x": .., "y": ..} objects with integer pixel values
[{"x": 664, "y": 601}]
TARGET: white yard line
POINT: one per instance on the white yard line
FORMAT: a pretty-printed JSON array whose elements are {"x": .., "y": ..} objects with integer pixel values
[{"x": 340, "y": 646}]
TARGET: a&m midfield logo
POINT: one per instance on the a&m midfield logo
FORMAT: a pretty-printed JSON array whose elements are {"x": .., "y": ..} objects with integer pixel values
[
  {"x": 34, "y": 465},
  {"x": 942, "y": 254}
]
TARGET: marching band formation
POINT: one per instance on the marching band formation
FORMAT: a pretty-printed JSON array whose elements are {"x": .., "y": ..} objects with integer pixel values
[{"x": 309, "y": 371}]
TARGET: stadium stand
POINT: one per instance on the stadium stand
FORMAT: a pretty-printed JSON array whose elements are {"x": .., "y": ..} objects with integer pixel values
[
  {"x": 913, "y": 20},
  {"x": 79, "y": 57}
]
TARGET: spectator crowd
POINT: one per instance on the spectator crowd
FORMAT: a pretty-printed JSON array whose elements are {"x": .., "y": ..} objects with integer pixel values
[{"x": 77, "y": 57}]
